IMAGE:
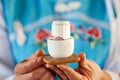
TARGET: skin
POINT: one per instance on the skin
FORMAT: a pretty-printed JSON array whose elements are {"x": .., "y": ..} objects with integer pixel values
[
  {"x": 33, "y": 68},
  {"x": 87, "y": 70}
]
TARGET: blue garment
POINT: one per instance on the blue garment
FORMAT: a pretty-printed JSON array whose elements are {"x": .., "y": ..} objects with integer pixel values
[{"x": 88, "y": 18}]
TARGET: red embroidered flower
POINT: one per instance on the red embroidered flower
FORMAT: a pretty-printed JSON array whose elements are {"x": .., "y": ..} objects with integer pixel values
[
  {"x": 95, "y": 32},
  {"x": 72, "y": 27},
  {"x": 42, "y": 34}
]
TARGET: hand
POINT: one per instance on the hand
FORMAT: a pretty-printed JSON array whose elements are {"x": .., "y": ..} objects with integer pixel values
[
  {"x": 33, "y": 68},
  {"x": 87, "y": 70}
]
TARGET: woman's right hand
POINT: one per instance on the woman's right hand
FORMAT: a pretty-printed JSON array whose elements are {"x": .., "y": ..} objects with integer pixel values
[
  {"x": 33, "y": 68},
  {"x": 86, "y": 70}
]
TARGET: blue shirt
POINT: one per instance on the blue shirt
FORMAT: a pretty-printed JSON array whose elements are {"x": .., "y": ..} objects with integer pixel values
[{"x": 89, "y": 26}]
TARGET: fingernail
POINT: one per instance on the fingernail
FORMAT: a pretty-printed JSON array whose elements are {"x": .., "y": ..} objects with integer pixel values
[
  {"x": 59, "y": 66},
  {"x": 39, "y": 59},
  {"x": 47, "y": 65},
  {"x": 38, "y": 51}
]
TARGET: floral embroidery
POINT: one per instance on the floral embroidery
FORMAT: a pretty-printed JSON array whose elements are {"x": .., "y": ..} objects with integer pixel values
[
  {"x": 72, "y": 27},
  {"x": 44, "y": 44},
  {"x": 41, "y": 36},
  {"x": 94, "y": 32},
  {"x": 92, "y": 35}
]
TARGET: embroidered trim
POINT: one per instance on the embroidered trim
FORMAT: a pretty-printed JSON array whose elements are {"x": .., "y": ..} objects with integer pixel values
[
  {"x": 88, "y": 19},
  {"x": 40, "y": 22},
  {"x": 92, "y": 35},
  {"x": 50, "y": 18}
]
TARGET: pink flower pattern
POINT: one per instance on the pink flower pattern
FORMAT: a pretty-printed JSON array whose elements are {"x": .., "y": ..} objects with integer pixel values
[
  {"x": 41, "y": 35},
  {"x": 72, "y": 26},
  {"x": 92, "y": 35},
  {"x": 94, "y": 32}
]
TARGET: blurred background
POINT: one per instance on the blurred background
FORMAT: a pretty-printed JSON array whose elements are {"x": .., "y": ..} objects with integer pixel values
[{"x": 26, "y": 24}]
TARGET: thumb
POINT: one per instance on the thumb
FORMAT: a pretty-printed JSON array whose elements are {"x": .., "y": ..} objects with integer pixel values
[
  {"x": 82, "y": 61},
  {"x": 38, "y": 53}
]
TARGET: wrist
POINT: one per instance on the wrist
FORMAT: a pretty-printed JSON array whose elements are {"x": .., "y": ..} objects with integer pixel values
[{"x": 105, "y": 76}]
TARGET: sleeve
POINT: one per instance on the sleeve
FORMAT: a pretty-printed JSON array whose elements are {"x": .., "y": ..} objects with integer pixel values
[
  {"x": 113, "y": 61},
  {"x": 114, "y": 76},
  {"x": 5, "y": 50},
  {"x": 10, "y": 78},
  {"x": 5, "y": 71},
  {"x": 6, "y": 61}
]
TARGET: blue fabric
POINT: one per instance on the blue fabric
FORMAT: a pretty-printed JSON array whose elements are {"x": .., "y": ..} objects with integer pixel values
[{"x": 29, "y": 11}]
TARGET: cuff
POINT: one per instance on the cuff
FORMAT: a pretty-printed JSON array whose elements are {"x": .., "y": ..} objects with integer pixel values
[
  {"x": 10, "y": 78},
  {"x": 113, "y": 75}
]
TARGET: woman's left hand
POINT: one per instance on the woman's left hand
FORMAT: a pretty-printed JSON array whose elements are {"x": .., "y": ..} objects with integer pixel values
[{"x": 87, "y": 70}]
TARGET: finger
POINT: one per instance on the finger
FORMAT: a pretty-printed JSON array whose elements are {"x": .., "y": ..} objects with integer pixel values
[
  {"x": 58, "y": 71},
  {"x": 34, "y": 75},
  {"x": 52, "y": 78},
  {"x": 73, "y": 75},
  {"x": 85, "y": 71},
  {"x": 28, "y": 66},
  {"x": 47, "y": 75},
  {"x": 17, "y": 78},
  {"x": 82, "y": 61},
  {"x": 38, "y": 53},
  {"x": 77, "y": 70},
  {"x": 65, "y": 74}
]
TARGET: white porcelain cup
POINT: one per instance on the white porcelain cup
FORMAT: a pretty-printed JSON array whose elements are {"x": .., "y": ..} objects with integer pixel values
[{"x": 60, "y": 48}]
